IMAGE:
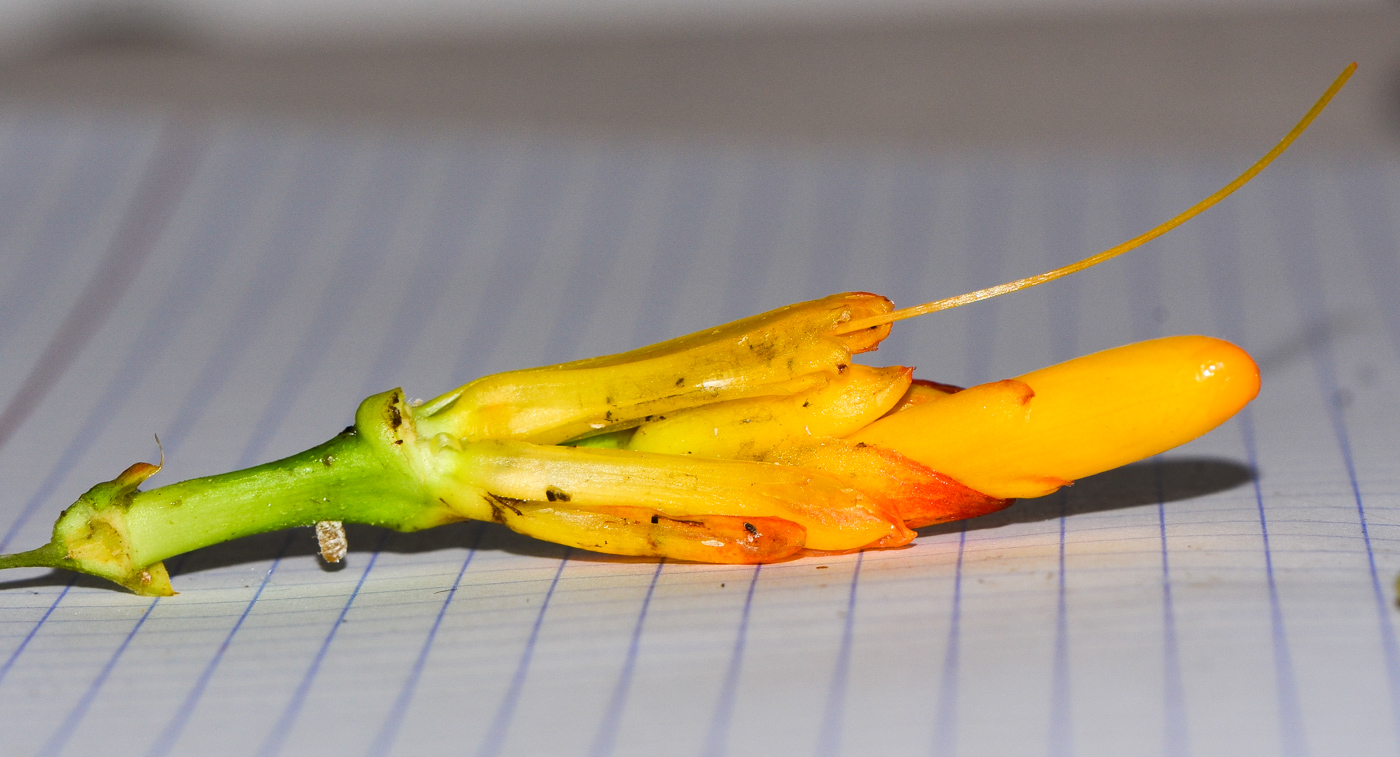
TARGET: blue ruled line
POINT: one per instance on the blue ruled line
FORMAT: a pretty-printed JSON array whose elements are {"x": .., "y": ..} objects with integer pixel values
[
  {"x": 945, "y": 722},
  {"x": 34, "y": 172},
  {"x": 536, "y": 201},
  {"x": 1290, "y": 708},
  {"x": 1219, "y": 226},
  {"x": 986, "y": 238},
  {"x": 277, "y": 738},
  {"x": 1368, "y": 199},
  {"x": 65, "y": 731},
  {"x": 1178, "y": 743},
  {"x": 154, "y": 202},
  {"x": 986, "y": 235},
  {"x": 533, "y": 210},
  {"x": 355, "y": 268},
  {"x": 264, "y": 291},
  {"x": 834, "y": 713},
  {"x": 717, "y": 739},
  {"x": 906, "y": 239},
  {"x": 192, "y": 278},
  {"x": 612, "y": 716},
  {"x": 194, "y": 275},
  {"x": 1065, "y": 200},
  {"x": 1375, "y": 232},
  {"x": 90, "y": 186},
  {"x": 19, "y": 650},
  {"x": 170, "y": 734},
  {"x": 238, "y": 339},
  {"x": 302, "y": 202},
  {"x": 177, "y": 155},
  {"x": 458, "y": 209},
  {"x": 840, "y": 197},
  {"x": 393, "y": 179},
  {"x": 60, "y": 737},
  {"x": 616, "y": 191},
  {"x": 1061, "y": 740},
  {"x": 690, "y": 202},
  {"x": 505, "y": 712},
  {"x": 1137, "y": 193},
  {"x": 1298, "y": 239},
  {"x": 767, "y": 191},
  {"x": 384, "y": 740}
]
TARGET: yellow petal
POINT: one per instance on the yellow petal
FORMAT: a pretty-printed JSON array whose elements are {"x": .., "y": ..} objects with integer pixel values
[
  {"x": 1027, "y": 437},
  {"x": 642, "y": 532},
  {"x": 777, "y": 353},
  {"x": 749, "y": 429},
  {"x": 835, "y": 516}
]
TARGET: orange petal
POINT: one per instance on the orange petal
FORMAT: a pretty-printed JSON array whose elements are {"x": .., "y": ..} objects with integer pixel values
[{"x": 920, "y": 495}]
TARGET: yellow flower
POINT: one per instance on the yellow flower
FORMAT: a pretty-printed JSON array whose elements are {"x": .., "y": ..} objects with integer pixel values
[
  {"x": 750, "y": 442},
  {"x": 757, "y": 440}
]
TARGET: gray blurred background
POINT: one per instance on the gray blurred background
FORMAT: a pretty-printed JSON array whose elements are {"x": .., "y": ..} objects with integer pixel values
[{"x": 1009, "y": 75}]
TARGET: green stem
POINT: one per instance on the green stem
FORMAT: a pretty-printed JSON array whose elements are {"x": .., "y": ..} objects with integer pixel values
[
  {"x": 43, "y": 557},
  {"x": 361, "y": 476},
  {"x": 343, "y": 479}
]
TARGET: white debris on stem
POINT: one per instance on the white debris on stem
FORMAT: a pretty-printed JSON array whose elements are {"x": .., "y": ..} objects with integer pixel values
[{"x": 331, "y": 535}]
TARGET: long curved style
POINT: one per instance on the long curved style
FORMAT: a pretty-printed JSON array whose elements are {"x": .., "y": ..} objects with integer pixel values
[{"x": 756, "y": 441}]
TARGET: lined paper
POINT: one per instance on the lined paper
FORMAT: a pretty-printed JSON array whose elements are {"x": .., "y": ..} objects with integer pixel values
[{"x": 236, "y": 288}]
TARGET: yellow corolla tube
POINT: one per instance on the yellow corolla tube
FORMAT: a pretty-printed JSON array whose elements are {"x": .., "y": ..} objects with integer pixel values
[{"x": 1027, "y": 437}]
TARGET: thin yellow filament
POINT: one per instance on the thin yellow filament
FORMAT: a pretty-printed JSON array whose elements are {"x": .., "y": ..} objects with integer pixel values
[{"x": 1112, "y": 252}]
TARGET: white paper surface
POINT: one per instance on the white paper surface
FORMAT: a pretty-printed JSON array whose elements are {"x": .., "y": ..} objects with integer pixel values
[{"x": 273, "y": 278}]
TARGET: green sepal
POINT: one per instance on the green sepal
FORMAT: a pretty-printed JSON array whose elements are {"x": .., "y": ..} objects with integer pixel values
[{"x": 91, "y": 537}]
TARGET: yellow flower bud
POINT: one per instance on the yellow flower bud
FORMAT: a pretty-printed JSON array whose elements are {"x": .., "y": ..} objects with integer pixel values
[{"x": 1029, "y": 436}]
